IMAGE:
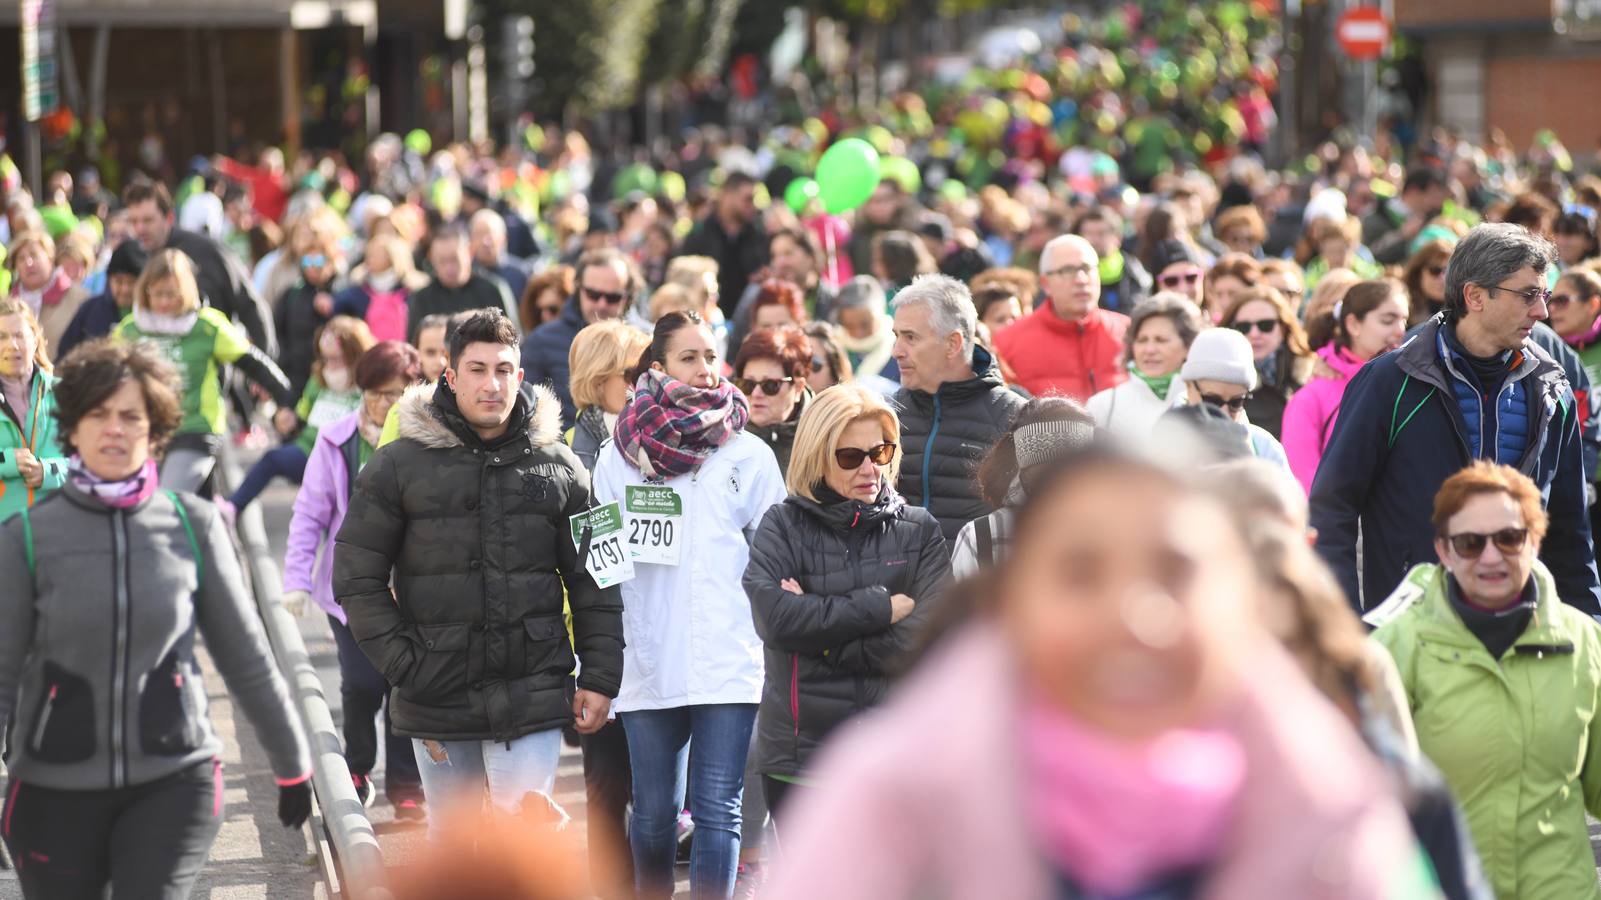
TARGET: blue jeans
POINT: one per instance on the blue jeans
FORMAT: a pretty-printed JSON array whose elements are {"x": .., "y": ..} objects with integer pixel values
[
  {"x": 288, "y": 461},
  {"x": 509, "y": 770},
  {"x": 716, "y": 739}
]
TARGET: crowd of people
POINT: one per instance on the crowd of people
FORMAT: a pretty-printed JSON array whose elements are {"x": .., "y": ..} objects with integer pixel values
[{"x": 1018, "y": 542}]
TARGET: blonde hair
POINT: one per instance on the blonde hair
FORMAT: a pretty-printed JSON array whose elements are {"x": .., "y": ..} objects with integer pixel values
[
  {"x": 26, "y": 239},
  {"x": 14, "y": 306},
  {"x": 79, "y": 245},
  {"x": 689, "y": 272},
  {"x": 600, "y": 351},
  {"x": 671, "y": 298},
  {"x": 164, "y": 265},
  {"x": 818, "y": 432}
]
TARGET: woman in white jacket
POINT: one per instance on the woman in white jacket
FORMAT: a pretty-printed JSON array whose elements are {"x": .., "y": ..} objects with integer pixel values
[
  {"x": 1157, "y": 340},
  {"x": 693, "y": 486}
]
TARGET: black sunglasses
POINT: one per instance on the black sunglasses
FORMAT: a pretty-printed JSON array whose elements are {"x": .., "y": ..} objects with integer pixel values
[
  {"x": 1470, "y": 545},
  {"x": 769, "y": 386},
  {"x": 1436, "y": 271},
  {"x": 818, "y": 363},
  {"x": 851, "y": 457},
  {"x": 1246, "y": 326},
  {"x": 1234, "y": 403},
  {"x": 604, "y": 296},
  {"x": 1558, "y": 301},
  {"x": 1180, "y": 278}
]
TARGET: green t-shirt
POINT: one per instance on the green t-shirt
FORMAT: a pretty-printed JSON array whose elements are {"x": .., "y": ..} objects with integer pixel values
[{"x": 212, "y": 342}]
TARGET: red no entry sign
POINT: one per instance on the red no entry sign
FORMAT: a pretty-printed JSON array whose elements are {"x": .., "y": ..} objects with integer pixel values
[{"x": 1363, "y": 33}]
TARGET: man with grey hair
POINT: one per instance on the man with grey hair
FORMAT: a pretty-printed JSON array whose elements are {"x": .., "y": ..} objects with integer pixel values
[
  {"x": 1467, "y": 385},
  {"x": 1069, "y": 345},
  {"x": 953, "y": 404}
]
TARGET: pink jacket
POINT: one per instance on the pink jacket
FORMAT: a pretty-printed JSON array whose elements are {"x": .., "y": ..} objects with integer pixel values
[
  {"x": 923, "y": 797},
  {"x": 1309, "y": 416}
]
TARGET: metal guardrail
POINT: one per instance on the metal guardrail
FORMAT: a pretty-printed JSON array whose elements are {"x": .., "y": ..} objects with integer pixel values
[{"x": 358, "y": 870}]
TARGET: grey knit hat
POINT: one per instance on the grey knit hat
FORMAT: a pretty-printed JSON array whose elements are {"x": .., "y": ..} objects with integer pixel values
[{"x": 1221, "y": 354}]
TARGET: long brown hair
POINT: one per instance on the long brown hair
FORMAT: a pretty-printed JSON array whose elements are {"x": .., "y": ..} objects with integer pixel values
[
  {"x": 1294, "y": 335},
  {"x": 1435, "y": 253}
]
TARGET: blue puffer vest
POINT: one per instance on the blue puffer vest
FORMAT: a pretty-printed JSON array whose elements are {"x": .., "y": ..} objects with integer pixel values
[{"x": 1504, "y": 417}]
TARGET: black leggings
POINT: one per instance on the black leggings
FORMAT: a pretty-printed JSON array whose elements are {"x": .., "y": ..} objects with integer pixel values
[{"x": 147, "y": 841}]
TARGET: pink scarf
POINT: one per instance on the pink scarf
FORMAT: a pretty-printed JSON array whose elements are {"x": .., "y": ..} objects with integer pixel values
[
  {"x": 1117, "y": 816},
  {"x": 386, "y": 314},
  {"x": 123, "y": 494},
  {"x": 1582, "y": 341}
]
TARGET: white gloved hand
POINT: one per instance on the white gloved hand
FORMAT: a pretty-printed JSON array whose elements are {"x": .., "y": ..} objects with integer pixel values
[{"x": 295, "y": 602}]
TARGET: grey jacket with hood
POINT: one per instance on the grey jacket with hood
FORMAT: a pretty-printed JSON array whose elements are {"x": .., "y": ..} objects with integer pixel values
[{"x": 103, "y": 648}]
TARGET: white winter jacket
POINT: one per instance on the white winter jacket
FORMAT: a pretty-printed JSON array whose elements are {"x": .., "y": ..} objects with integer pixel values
[{"x": 687, "y": 628}]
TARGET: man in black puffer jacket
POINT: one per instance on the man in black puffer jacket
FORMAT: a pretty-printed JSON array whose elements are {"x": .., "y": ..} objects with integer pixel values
[
  {"x": 952, "y": 404},
  {"x": 842, "y": 581},
  {"x": 469, "y": 510}
]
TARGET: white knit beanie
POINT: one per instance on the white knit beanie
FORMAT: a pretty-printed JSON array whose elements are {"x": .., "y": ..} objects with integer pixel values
[{"x": 1221, "y": 354}]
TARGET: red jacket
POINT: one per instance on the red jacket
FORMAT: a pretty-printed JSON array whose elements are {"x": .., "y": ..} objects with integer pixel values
[{"x": 1074, "y": 359}]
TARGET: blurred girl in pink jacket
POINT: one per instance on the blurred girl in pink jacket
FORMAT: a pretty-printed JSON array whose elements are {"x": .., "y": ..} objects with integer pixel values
[{"x": 1114, "y": 722}]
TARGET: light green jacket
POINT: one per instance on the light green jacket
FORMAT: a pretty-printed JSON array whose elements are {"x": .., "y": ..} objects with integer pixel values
[
  {"x": 37, "y": 432},
  {"x": 1518, "y": 738}
]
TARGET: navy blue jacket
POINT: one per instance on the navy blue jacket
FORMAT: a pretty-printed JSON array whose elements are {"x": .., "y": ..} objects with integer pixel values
[
  {"x": 94, "y": 319},
  {"x": 1401, "y": 432},
  {"x": 545, "y": 356}
]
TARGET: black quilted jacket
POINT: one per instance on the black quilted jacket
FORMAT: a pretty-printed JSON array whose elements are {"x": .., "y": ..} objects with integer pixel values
[{"x": 829, "y": 651}]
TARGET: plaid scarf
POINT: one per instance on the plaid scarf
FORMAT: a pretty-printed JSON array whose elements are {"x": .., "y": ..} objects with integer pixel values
[{"x": 668, "y": 428}]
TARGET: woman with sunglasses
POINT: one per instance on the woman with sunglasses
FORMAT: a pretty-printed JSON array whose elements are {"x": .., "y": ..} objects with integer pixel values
[
  {"x": 830, "y": 364},
  {"x": 842, "y": 576},
  {"x": 1219, "y": 373},
  {"x": 770, "y": 370},
  {"x": 1502, "y": 679},
  {"x": 1370, "y": 320},
  {"x": 1284, "y": 362},
  {"x": 1574, "y": 235},
  {"x": 1424, "y": 277},
  {"x": 1575, "y": 307},
  {"x": 692, "y": 661}
]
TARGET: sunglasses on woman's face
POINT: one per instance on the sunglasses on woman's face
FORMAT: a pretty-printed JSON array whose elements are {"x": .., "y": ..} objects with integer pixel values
[
  {"x": 1246, "y": 326},
  {"x": 1558, "y": 301},
  {"x": 818, "y": 363},
  {"x": 851, "y": 457},
  {"x": 1234, "y": 403},
  {"x": 1436, "y": 271},
  {"x": 769, "y": 386},
  {"x": 1470, "y": 545},
  {"x": 1178, "y": 278}
]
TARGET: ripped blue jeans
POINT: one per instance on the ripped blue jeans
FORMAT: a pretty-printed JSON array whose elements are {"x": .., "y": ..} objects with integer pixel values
[{"x": 457, "y": 773}]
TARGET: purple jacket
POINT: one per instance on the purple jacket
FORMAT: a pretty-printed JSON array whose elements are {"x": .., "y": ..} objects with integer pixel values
[
  {"x": 1309, "y": 417},
  {"x": 319, "y": 511}
]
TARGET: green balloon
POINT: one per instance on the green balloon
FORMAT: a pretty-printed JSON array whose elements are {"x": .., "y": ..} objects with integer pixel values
[
  {"x": 633, "y": 177},
  {"x": 953, "y": 190},
  {"x": 418, "y": 142},
  {"x": 847, "y": 175},
  {"x": 800, "y": 192},
  {"x": 671, "y": 185},
  {"x": 902, "y": 171}
]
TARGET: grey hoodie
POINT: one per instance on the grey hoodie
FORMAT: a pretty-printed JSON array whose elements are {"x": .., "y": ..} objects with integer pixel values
[{"x": 103, "y": 649}]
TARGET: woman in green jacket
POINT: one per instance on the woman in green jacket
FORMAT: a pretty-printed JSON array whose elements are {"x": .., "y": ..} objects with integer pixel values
[
  {"x": 1503, "y": 680},
  {"x": 31, "y": 463},
  {"x": 199, "y": 340}
]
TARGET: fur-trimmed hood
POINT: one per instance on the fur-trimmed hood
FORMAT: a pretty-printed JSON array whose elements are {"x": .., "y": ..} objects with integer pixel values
[{"x": 422, "y": 420}]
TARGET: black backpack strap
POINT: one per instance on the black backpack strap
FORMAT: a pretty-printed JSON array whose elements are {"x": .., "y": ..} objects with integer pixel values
[
  {"x": 351, "y": 450},
  {"x": 986, "y": 542}
]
